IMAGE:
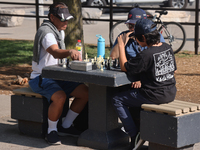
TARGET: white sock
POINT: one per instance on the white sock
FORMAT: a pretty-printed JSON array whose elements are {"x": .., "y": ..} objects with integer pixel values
[
  {"x": 52, "y": 126},
  {"x": 70, "y": 117}
]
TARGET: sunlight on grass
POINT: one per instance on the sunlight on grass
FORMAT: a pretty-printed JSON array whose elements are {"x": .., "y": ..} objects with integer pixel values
[{"x": 14, "y": 52}]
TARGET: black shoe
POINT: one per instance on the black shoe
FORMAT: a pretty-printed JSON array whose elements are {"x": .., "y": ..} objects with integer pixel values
[
  {"x": 52, "y": 138},
  {"x": 72, "y": 131},
  {"x": 132, "y": 144},
  {"x": 136, "y": 142}
]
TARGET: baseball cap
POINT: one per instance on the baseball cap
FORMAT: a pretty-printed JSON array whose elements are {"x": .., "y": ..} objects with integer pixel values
[
  {"x": 62, "y": 13},
  {"x": 135, "y": 14},
  {"x": 144, "y": 26}
]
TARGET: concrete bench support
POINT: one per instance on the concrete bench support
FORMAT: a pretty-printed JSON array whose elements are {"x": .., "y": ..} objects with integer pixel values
[
  {"x": 170, "y": 131},
  {"x": 30, "y": 109}
]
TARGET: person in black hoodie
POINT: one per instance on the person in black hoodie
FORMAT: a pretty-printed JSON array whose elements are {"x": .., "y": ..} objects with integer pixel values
[{"x": 155, "y": 67}]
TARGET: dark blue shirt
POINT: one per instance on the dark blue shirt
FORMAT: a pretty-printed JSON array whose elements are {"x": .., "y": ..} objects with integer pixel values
[{"x": 132, "y": 48}]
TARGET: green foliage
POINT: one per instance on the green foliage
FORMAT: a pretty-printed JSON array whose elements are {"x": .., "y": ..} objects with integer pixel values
[
  {"x": 21, "y": 52},
  {"x": 91, "y": 50},
  {"x": 15, "y": 52}
]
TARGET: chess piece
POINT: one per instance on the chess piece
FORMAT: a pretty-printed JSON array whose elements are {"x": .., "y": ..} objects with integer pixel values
[
  {"x": 67, "y": 63},
  {"x": 64, "y": 63},
  {"x": 108, "y": 64},
  {"x": 118, "y": 63},
  {"x": 115, "y": 63}
]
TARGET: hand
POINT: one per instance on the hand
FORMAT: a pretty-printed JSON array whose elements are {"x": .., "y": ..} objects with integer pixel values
[
  {"x": 128, "y": 34},
  {"x": 75, "y": 55},
  {"x": 136, "y": 85},
  {"x": 121, "y": 40}
]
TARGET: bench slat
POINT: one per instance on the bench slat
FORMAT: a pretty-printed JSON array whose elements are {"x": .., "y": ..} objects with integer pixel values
[
  {"x": 162, "y": 109},
  {"x": 189, "y": 103},
  {"x": 27, "y": 92},
  {"x": 191, "y": 107},
  {"x": 172, "y": 105}
]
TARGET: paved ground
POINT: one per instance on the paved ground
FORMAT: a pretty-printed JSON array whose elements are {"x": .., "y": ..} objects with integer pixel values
[{"x": 10, "y": 137}]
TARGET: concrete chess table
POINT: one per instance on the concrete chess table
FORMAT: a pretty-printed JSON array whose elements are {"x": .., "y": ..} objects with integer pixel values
[{"x": 104, "y": 131}]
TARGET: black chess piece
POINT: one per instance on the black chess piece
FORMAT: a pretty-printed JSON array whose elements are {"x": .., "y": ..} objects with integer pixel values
[
  {"x": 67, "y": 63},
  {"x": 108, "y": 64},
  {"x": 118, "y": 64},
  {"x": 115, "y": 63}
]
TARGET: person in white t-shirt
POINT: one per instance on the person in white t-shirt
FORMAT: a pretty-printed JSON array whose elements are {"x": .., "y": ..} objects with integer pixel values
[{"x": 49, "y": 46}]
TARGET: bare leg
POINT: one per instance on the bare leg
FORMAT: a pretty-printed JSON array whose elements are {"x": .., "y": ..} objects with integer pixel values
[
  {"x": 81, "y": 98},
  {"x": 56, "y": 107}
]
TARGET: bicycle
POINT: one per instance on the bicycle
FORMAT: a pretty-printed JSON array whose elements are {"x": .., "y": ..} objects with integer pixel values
[{"x": 173, "y": 32}]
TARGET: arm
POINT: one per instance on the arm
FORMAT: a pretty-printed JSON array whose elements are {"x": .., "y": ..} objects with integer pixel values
[
  {"x": 115, "y": 49},
  {"x": 114, "y": 53},
  {"x": 61, "y": 53},
  {"x": 122, "y": 55}
]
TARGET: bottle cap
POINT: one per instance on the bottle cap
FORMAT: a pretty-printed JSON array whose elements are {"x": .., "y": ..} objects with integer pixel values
[
  {"x": 101, "y": 39},
  {"x": 79, "y": 41}
]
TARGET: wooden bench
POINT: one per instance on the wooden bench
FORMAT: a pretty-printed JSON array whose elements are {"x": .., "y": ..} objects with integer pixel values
[{"x": 172, "y": 126}]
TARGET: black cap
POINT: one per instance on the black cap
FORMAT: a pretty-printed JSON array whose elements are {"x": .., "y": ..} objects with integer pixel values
[
  {"x": 144, "y": 26},
  {"x": 135, "y": 14},
  {"x": 62, "y": 13}
]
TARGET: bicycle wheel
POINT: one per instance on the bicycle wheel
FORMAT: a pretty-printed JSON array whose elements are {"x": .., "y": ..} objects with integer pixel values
[
  {"x": 116, "y": 30},
  {"x": 174, "y": 35}
]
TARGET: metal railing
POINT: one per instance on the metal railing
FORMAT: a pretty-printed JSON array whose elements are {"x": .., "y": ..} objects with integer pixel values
[{"x": 111, "y": 20}]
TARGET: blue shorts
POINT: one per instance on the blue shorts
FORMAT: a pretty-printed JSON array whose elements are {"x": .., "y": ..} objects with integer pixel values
[{"x": 49, "y": 86}]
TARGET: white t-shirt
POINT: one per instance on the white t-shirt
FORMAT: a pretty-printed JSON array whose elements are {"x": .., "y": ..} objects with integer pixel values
[{"x": 46, "y": 59}]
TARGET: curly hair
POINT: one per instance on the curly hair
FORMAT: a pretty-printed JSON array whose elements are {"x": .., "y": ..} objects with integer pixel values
[{"x": 151, "y": 38}]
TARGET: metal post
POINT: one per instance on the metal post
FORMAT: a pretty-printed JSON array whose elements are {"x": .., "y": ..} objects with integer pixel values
[
  {"x": 111, "y": 18},
  {"x": 196, "y": 27},
  {"x": 37, "y": 14},
  {"x": 41, "y": 8}
]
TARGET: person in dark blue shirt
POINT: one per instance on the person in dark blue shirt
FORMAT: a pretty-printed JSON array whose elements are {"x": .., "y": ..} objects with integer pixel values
[{"x": 132, "y": 48}]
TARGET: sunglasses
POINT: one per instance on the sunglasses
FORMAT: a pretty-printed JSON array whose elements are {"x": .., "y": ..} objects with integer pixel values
[
  {"x": 130, "y": 25},
  {"x": 61, "y": 19}
]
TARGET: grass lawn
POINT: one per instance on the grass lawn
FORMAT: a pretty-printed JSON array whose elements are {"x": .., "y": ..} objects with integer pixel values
[{"x": 14, "y": 52}]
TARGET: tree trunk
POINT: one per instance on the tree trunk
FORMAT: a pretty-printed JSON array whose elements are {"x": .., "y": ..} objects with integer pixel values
[{"x": 74, "y": 29}]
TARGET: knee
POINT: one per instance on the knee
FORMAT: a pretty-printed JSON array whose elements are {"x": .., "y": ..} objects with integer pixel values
[
  {"x": 116, "y": 101},
  {"x": 59, "y": 99}
]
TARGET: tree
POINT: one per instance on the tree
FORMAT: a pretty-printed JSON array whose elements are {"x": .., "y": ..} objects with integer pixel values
[{"x": 74, "y": 29}]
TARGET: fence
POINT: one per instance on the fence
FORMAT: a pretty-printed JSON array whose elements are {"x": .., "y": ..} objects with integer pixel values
[{"x": 111, "y": 20}]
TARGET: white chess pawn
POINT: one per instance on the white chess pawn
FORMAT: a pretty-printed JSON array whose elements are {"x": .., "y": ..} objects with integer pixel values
[{"x": 86, "y": 56}]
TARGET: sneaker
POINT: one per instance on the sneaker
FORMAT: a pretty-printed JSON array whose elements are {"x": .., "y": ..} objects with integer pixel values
[
  {"x": 72, "y": 131},
  {"x": 132, "y": 144},
  {"x": 52, "y": 138},
  {"x": 136, "y": 142}
]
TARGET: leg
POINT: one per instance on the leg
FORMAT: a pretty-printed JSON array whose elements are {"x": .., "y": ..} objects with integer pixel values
[
  {"x": 56, "y": 107},
  {"x": 122, "y": 102},
  {"x": 81, "y": 98},
  {"x": 52, "y": 91}
]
